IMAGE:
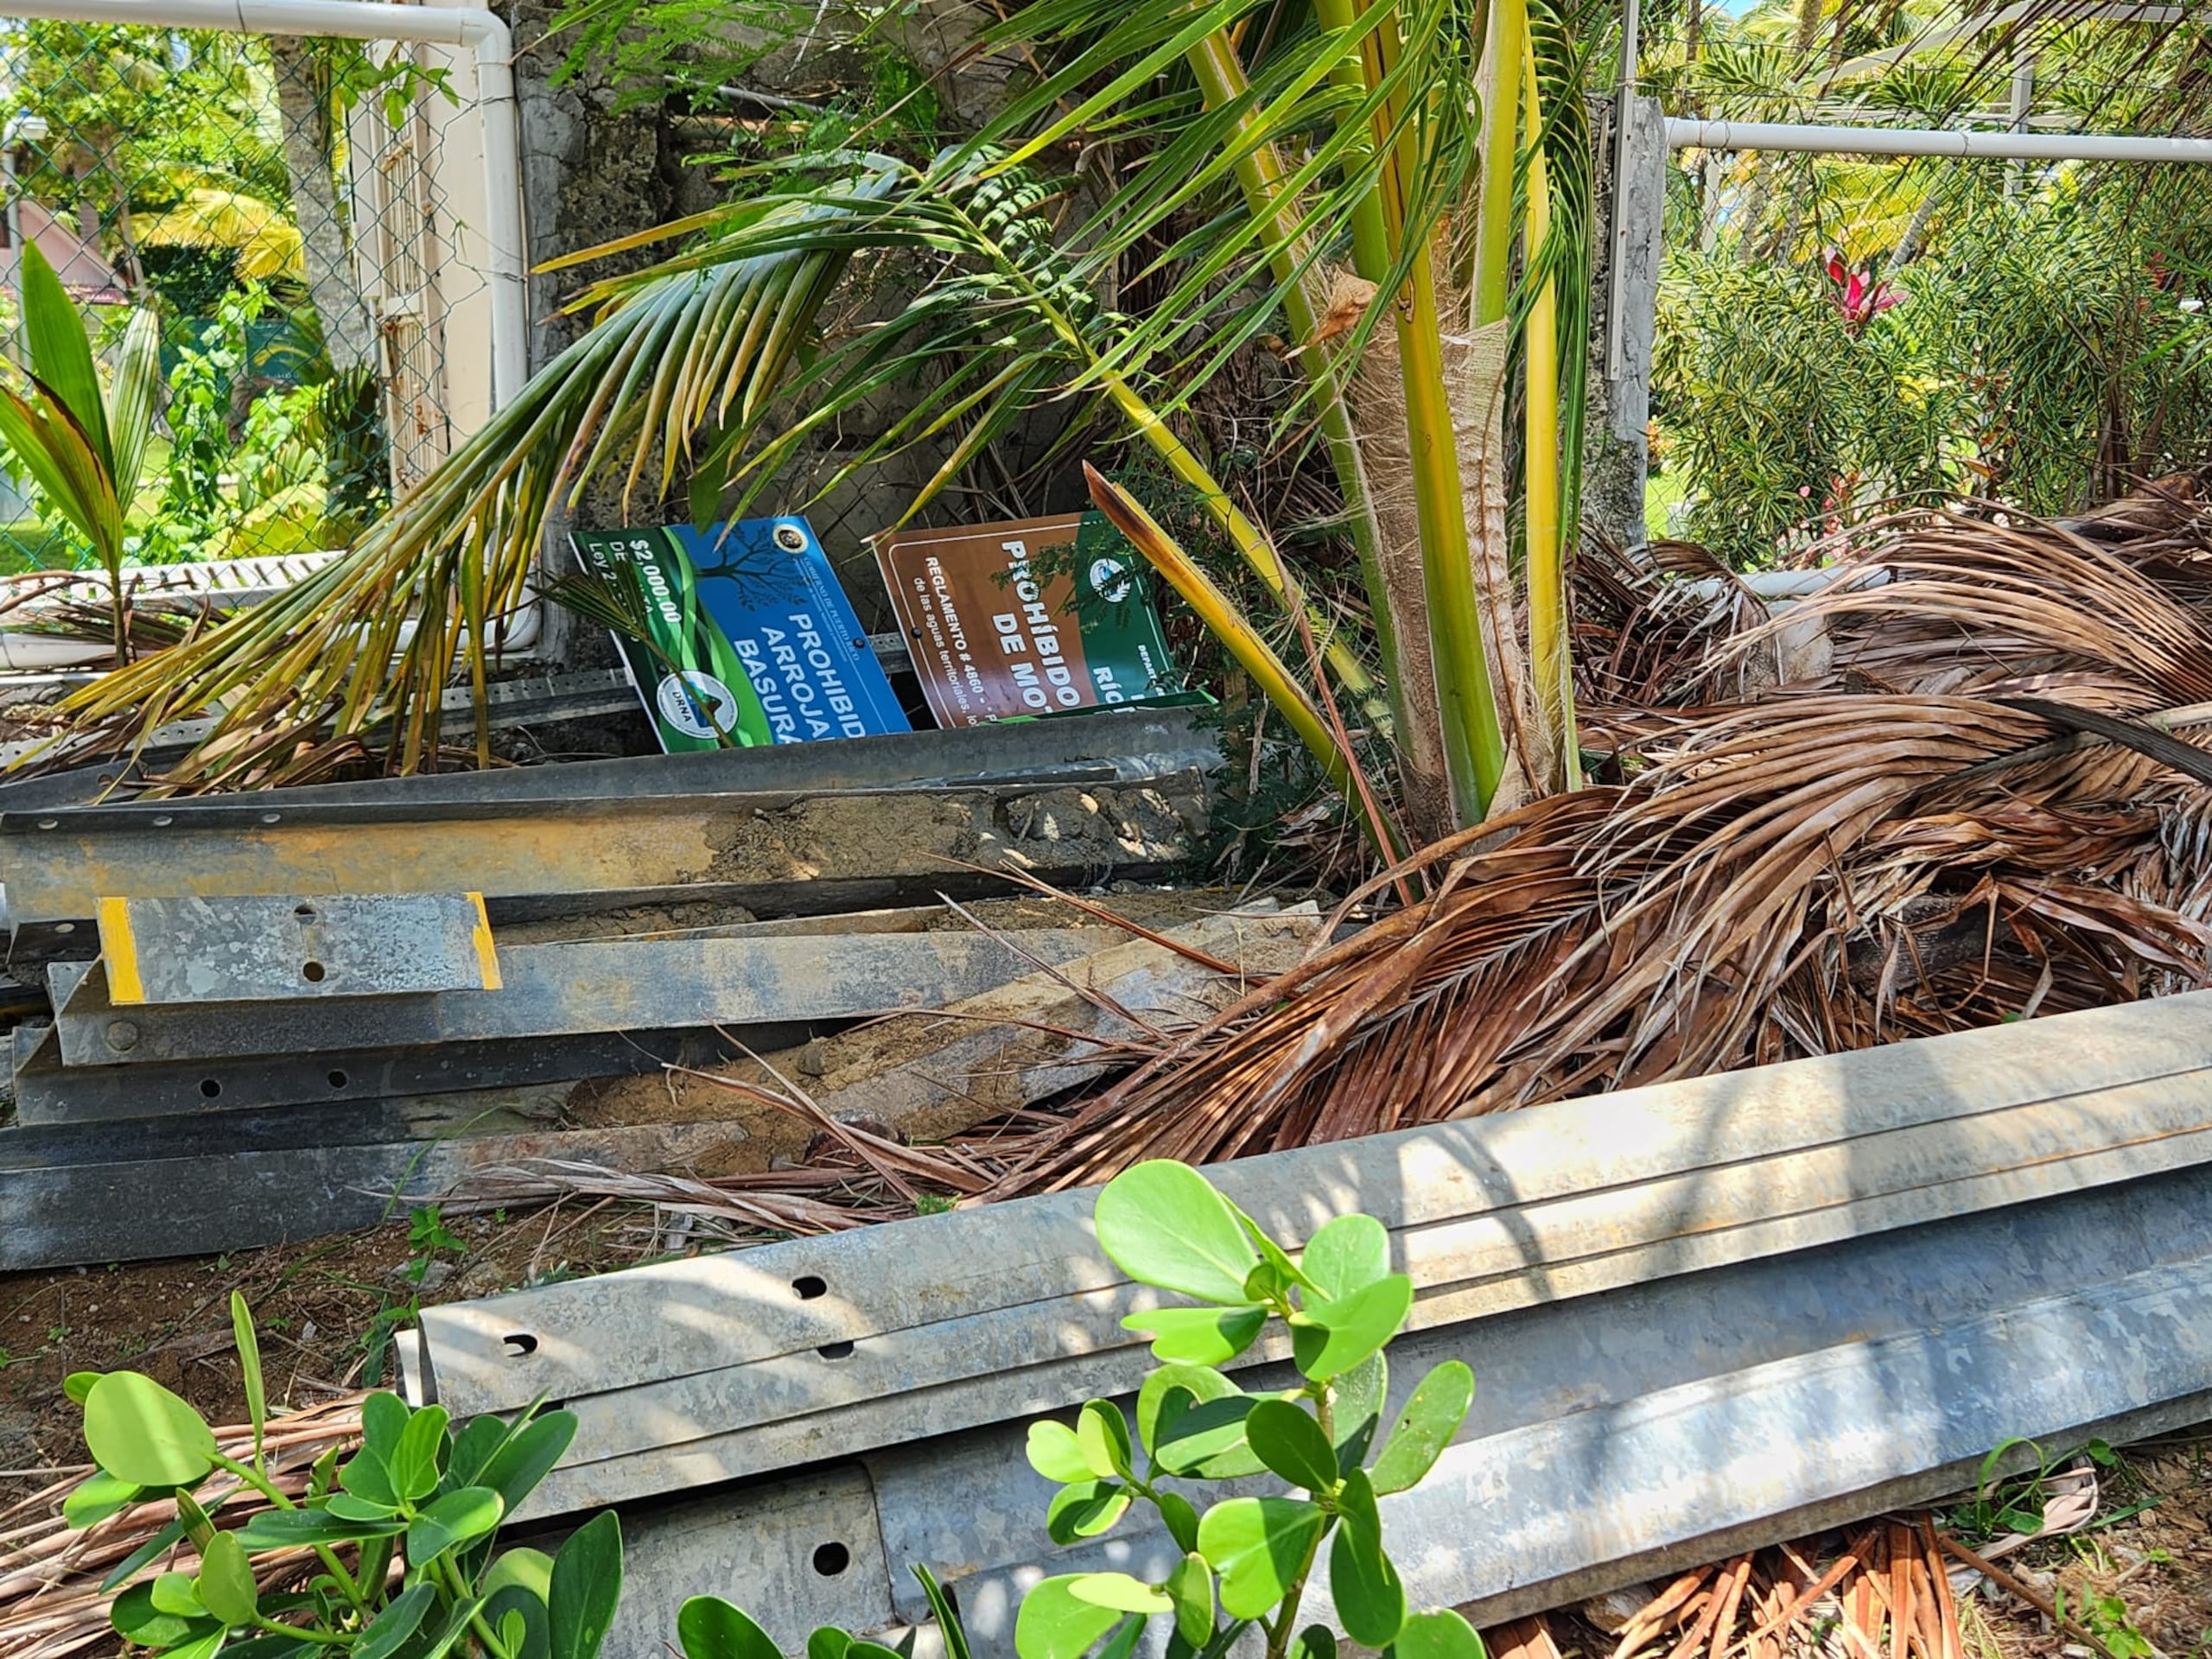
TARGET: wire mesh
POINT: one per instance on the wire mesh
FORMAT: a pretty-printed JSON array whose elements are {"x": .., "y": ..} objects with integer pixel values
[{"x": 297, "y": 214}]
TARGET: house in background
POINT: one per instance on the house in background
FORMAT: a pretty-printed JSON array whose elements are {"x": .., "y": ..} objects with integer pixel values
[{"x": 89, "y": 277}]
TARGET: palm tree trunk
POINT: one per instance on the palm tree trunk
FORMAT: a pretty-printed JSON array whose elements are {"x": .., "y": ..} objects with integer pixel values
[{"x": 332, "y": 288}]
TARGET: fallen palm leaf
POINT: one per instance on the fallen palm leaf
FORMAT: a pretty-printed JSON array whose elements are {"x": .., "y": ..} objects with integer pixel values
[{"x": 53, "y": 1589}]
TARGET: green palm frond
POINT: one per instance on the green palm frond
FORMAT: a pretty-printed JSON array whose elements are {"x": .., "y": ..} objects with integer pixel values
[{"x": 374, "y": 635}]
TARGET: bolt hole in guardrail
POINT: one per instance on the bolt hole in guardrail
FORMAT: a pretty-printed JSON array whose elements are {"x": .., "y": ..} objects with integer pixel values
[
  {"x": 835, "y": 1350},
  {"x": 210, "y": 1088},
  {"x": 831, "y": 1559},
  {"x": 520, "y": 1344},
  {"x": 337, "y": 1079},
  {"x": 313, "y": 972},
  {"x": 810, "y": 1285},
  {"x": 305, "y": 912}
]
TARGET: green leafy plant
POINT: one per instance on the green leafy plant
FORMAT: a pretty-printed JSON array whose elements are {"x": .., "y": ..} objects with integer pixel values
[
  {"x": 401, "y": 1533},
  {"x": 1247, "y": 1561},
  {"x": 82, "y": 445},
  {"x": 428, "y": 1235}
]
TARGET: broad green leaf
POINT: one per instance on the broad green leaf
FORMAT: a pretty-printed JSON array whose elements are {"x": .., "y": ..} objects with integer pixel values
[
  {"x": 1314, "y": 1641},
  {"x": 414, "y": 1461},
  {"x": 1258, "y": 1545},
  {"x": 477, "y": 1444},
  {"x": 1085, "y": 1509},
  {"x": 1370, "y": 1601},
  {"x": 1426, "y": 1426},
  {"x": 1162, "y": 1224},
  {"x": 1056, "y": 1624},
  {"x": 79, "y": 1384},
  {"x": 828, "y": 1642},
  {"x": 1191, "y": 1584},
  {"x": 587, "y": 1584},
  {"x": 1194, "y": 1384},
  {"x": 347, "y": 1506},
  {"x": 1346, "y": 1256},
  {"x": 458, "y": 1519},
  {"x": 1286, "y": 1271},
  {"x": 1287, "y": 1439},
  {"x": 1121, "y": 1592},
  {"x": 1055, "y": 1454},
  {"x": 1124, "y": 1640},
  {"x": 530, "y": 1568},
  {"x": 384, "y": 1420},
  {"x": 226, "y": 1585},
  {"x": 1355, "y": 1405},
  {"x": 1266, "y": 1283},
  {"x": 249, "y": 1347},
  {"x": 710, "y": 1628},
  {"x": 863, "y": 1648},
  {"x": 1199, "y": 1336},
  {"x": 70, "y": 482},
  {"x": 176, "y": 1594},
  {"x": 98, "y": 1498},
  {"x": 394, "y": 1623},
  {"x": 292, "y": 1529},
  {"x": 1206, "y": 1438},
  {"x": 1103, "y": 1435},
  {"x": 1179, "y": 1518},
  {"x": 449, "y": 1633},
  {"x": 202, "y": 1647},
  {"x": 61, "y": 353},
  {"x": 139, "y": 1431},
  {"x": 1440, "y": 1633},
  {"x": 528, "y": 1456},
  {"x": 135, "y": 1616},
  {"x": 518, "y": 1604},
  {"x": 1329, "y": 1339}
]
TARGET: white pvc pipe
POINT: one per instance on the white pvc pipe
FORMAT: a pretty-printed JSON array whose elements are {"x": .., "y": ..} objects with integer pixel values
[
  {"x": 1683, "y": 134},
  {"x": 480, "y": 30}
]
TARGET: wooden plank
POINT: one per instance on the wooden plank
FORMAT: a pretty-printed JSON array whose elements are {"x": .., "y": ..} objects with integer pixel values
[{"x": 933, "y": 1074}]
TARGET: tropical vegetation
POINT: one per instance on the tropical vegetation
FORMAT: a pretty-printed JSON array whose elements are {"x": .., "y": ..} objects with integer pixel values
[{"x": 203, "y": 167}]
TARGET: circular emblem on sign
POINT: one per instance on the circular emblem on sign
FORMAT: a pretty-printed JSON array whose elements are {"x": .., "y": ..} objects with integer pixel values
[
  {"x": 1109, "y": 580},
  {"x": 681, "y": 708},
  {"x": 791, "y": 538}
]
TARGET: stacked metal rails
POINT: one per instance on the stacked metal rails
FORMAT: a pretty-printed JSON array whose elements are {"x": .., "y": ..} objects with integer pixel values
[
  {"x": 297, "y": 1002},
  {"x": 1701, "y": 1316}
]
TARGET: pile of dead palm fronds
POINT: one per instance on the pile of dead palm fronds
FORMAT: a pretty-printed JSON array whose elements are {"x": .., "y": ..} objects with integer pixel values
[
  {"x": 56, "y": 1581},
  {"x": 1966, "y": 788},
  {"x": 1892, "y": 1589}
]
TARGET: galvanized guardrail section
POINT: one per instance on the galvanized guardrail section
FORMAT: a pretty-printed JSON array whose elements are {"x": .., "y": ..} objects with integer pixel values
[{"x": 1698, "y": 1314}]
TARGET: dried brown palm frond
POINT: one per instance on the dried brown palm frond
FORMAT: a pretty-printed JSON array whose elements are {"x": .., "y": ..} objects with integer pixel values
[
  {"x": 52, "y": 1601},
  {"x": 1943, "y": 602},
  {"x": 1895, "y": 1585},
  {"x": 1768, "y": 888},
  {"x": 1889, "y": 851}
]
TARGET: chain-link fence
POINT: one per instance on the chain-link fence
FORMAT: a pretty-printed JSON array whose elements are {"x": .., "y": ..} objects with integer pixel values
[{"x": 305, "y": 217}]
